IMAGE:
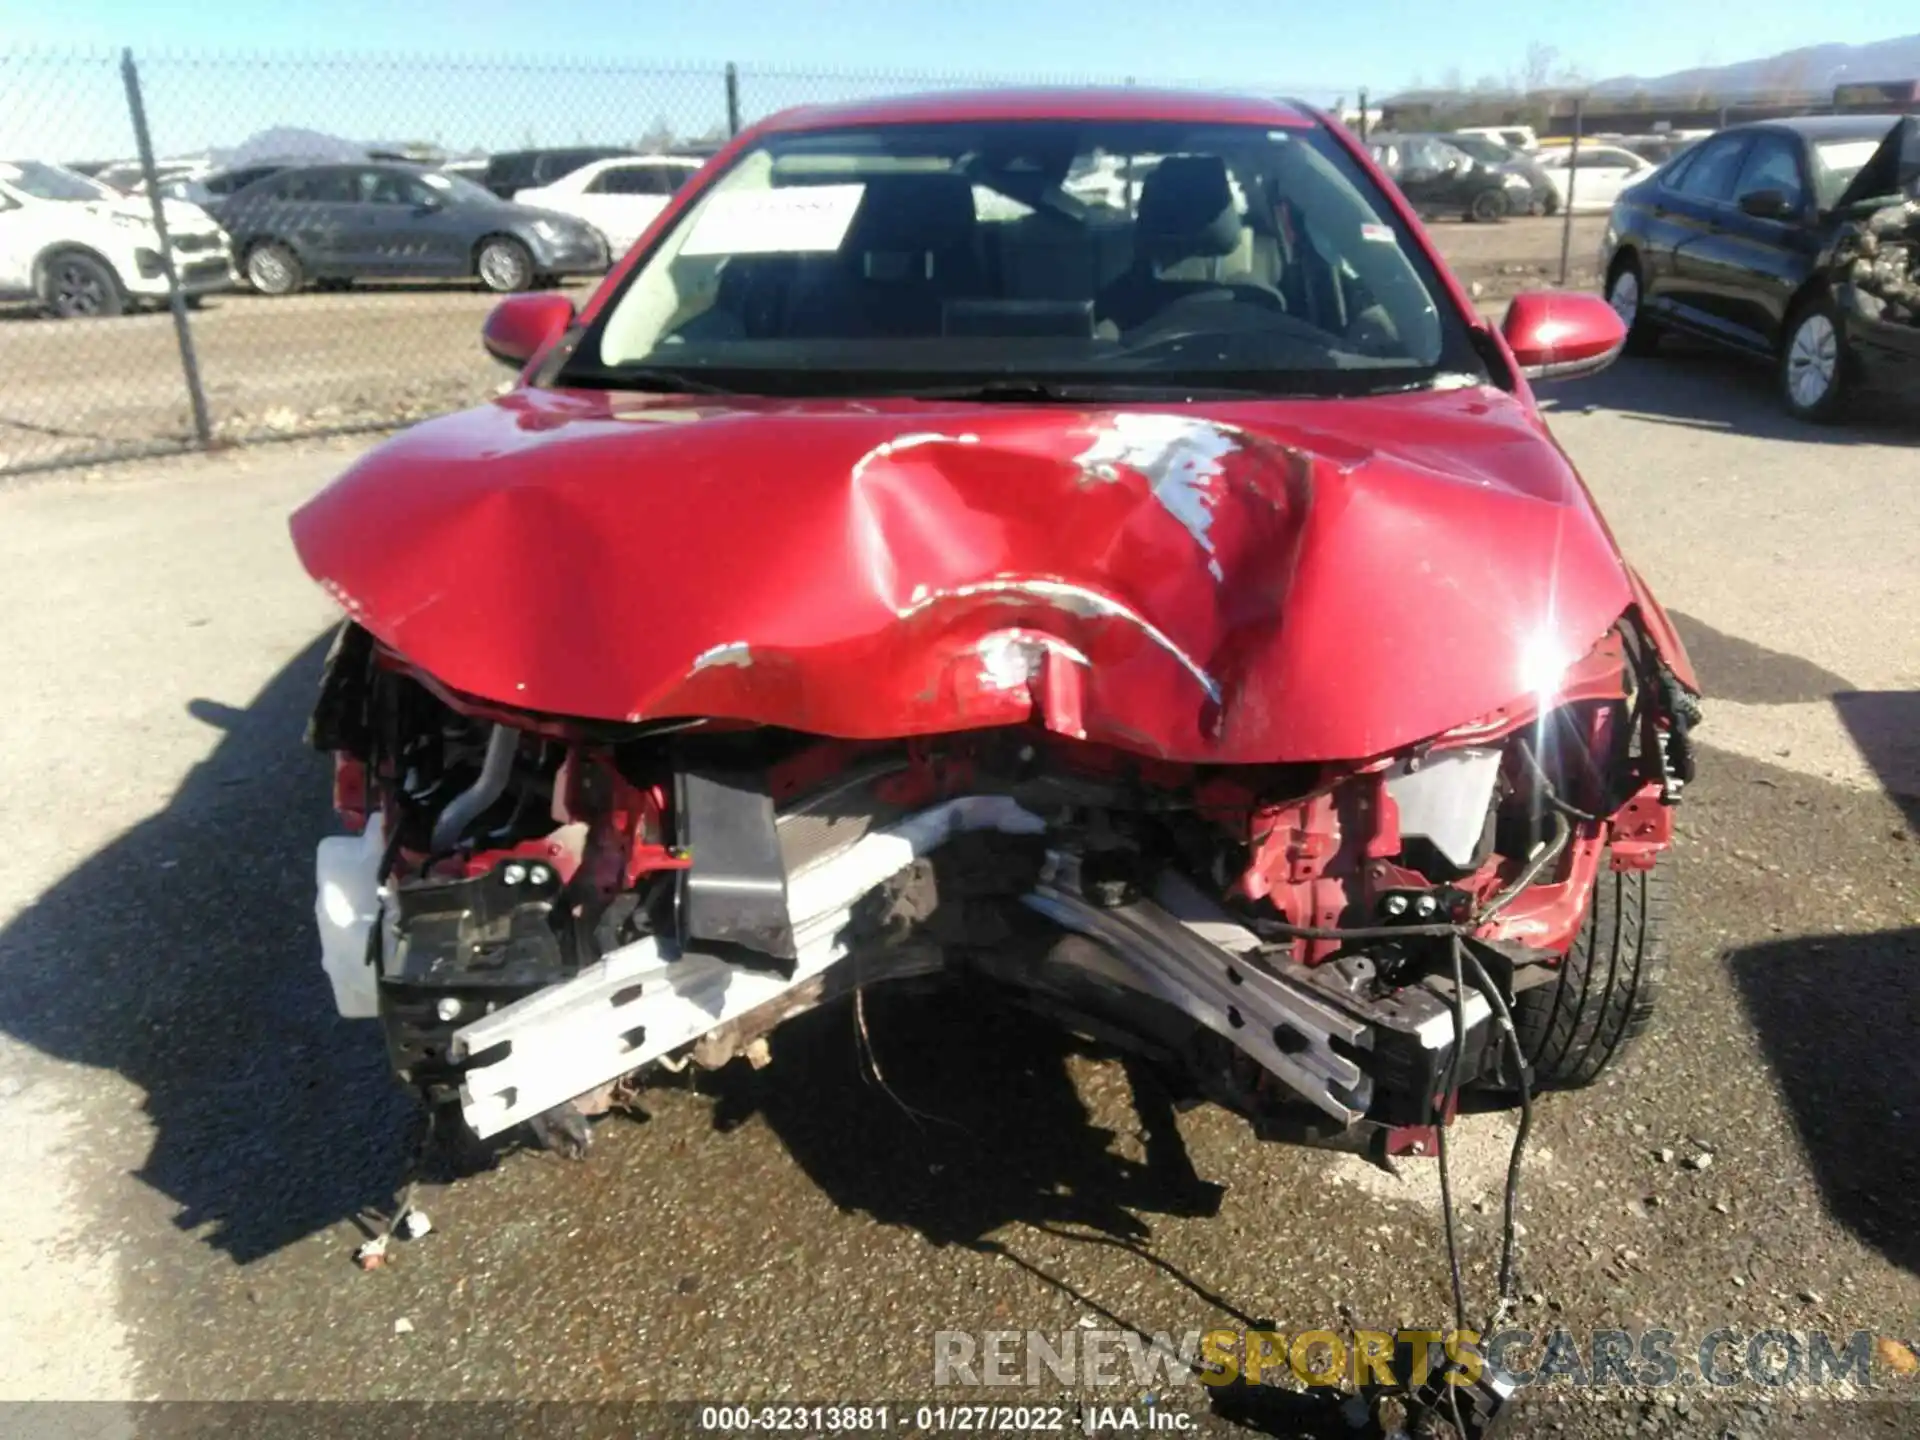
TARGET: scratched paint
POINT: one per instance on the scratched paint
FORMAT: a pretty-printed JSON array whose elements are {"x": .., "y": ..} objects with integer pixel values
[
  {"x": 735, "y": 653},
  {"x": 887, "y": 449},
  {"x": 1077, "y": 600},
  {"x": 1011, "y": 658},
  {"x": 1180, "y": 459}
]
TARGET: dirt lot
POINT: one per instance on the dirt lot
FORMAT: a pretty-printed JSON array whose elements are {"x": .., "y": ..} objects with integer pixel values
[
  {"x": 81, "y": 390},
  {"x": 187, "y": 1133}
]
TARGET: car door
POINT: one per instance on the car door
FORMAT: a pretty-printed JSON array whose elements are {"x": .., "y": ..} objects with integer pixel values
[
  {"x": 1416, "y": 168},
  {"x": 1769, "y": 242},
  {"x": 412, "y": 228},
  {"x": 17, "y": 247},
  {"x": 1685, "y": 222},
  {"x": 309, "y": 209}
]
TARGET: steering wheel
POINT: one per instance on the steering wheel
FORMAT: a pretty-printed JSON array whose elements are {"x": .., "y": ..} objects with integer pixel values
[{"x": 1218, "y": 315}]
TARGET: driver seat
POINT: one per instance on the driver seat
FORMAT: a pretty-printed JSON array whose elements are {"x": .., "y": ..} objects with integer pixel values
[{"x": 1186, "y": 212}]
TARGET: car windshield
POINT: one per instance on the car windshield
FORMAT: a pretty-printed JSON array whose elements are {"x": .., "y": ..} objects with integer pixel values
[
  {"x": 1487, "y": 152},
  {"x": 1039, "y": 254},
  {"x": 50, "y": 182},
  {"x": 1836, "y": 162},
  {"x": 459, "y": 190}
]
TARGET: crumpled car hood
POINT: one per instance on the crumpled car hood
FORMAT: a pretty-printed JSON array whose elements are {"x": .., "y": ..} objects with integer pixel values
[{"x": 1235, "y": 582}]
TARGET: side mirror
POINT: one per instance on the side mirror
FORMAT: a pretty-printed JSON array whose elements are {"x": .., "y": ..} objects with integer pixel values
[
  {"x": 519, "y": 328},
  {"x": 428, "y": 206},
  {"x": 1766, "y": 204},
  {"x": 1560, "y": 336}
]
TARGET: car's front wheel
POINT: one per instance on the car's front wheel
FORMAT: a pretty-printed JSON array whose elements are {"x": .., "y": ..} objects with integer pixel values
[
  {"x": 273, "y": 269},
  {"x": 75, "y": 286},
  {"x": 1626, "y": 296},
  {"x": 1575, "y": 1026},
  {"x": 1813, "y": 362},
  {"x": 503, "y": 265}
]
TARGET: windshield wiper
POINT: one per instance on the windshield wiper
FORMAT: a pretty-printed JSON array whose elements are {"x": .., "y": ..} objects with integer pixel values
[
  {"x": 1042, "y": 392},
  {"x": 653, "y": 378},
  {"x": 1012, "y": 391}
]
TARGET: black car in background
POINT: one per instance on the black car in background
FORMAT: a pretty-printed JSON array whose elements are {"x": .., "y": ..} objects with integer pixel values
[
  {"x": 514, "y": 170},
  {"x": 1495, "y": 156},
  {"x": 1797, "y": 241},
  {"x": 338, "y": 223},
  {"x": 1439, "y": 178}
]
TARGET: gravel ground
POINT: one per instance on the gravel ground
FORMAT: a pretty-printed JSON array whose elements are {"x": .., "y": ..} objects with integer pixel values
[
  {"x": 316, "y": 362},
  {"x": 188, "y": 1134}
]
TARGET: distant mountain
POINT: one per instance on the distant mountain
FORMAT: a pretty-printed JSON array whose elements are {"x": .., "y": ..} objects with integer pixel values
[
  {"x": 1817, "y": 69},
  {"x": 287, "y": 142}
]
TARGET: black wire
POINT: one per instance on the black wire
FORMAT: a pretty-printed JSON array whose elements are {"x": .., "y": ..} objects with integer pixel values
[
  {"x": 1523, "y": 1075},
  {"x": 1452, "y": 1089},
  {"x": 1551, "y": 795},
  {"x": 1448, "y": 1090}
]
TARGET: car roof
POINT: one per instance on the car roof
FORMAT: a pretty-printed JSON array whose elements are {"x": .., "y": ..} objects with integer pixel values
[
  {"x": 1825, "y": 127},
  {"x": 1063, "y": 103},
  {"x": 612, "y": 160}
]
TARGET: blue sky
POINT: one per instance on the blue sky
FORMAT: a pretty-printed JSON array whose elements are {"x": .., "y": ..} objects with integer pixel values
[{"x": 1318, "y": 50}]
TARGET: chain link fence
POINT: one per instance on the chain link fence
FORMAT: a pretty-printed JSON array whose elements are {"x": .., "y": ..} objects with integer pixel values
[{"x": 106, "y": 334}]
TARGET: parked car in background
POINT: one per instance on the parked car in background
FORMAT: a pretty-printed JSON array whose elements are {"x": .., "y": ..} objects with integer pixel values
[
  {"x": 1543, "y": 199},
  {"x": 124, "y": 175},
  {"x": 1602, "y": 172},
  {"x": 339, "y": 223},
  {"x": 512, "y": 171},
  {"x": 1791, "y": 240},
  {"x": 618, "y": 197},
  {"x": 80, "y": 249},
  {"x": 1514, "y": 137},
  {"x": 1439, "y": 178}
]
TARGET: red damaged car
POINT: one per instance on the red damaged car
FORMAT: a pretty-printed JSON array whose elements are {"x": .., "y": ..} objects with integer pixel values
[{"x": 1080, "y": 539}]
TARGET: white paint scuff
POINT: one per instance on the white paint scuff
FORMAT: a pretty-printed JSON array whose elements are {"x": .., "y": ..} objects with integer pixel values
[
  {"x": 736, "y": 653},
  {"x": 1180, "y": 458}
]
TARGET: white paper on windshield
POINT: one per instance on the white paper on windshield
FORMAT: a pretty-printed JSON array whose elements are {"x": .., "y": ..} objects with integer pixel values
[{"x": 803, "y": 219}]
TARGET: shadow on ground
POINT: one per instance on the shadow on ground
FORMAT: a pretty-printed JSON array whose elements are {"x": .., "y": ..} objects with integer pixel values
[
  {"x": 1838, "y": 1016},
  {"x": 182, "y": 956},
  {"x": 1699, "y": 389},
  {"x": 1885, "y": 725},
  {"x": 978, "y": 1123},
  {"x": 978, "y": 1128}
]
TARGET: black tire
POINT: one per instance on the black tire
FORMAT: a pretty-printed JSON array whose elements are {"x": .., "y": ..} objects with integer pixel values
[
  {"x": 75, "y": 285},
  {"x": 273, "y": 269},
  {"x": 1488, "y": 207},
  {"x": 1815, "y": 342},
  {"x": 1573, "y": 1028},
  {"x": 1550, "y": 203},
  {"x": 503, "y": 264},
  {"x": 1643, "y": 334}
]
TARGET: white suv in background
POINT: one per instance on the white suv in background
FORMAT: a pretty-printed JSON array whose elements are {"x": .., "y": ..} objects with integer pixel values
[
  {"x": 81, "y": 249},
  {"x": 620, "y": 197}
]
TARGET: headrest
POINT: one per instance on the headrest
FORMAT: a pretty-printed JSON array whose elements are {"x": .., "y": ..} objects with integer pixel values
[
  {"x": 1186, "y": 209},
  {"x": 916, "y": 213}
]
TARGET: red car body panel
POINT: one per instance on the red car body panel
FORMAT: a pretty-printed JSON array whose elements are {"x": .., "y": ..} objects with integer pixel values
[{"x": 1283, "y": 581}]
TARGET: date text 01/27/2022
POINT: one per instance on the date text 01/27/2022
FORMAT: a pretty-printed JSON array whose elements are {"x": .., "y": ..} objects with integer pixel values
[{"x": 939, "y": 1419}]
